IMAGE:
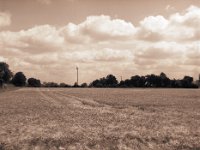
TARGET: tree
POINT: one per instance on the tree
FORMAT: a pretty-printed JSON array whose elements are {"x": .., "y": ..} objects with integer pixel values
[
  {"x": 1, "y": 83},
  {"x": 19, "y": 79},
  {"x": 63, "y": 85},
  {"x": 84, "y": 85},
  {"x": 32, "y": 82},
  {"x": 108, "y": 81},
  {"x": 50, "y": 84},
  {"x": 76, "y": 84},
  {"x": 165, "y": 81},
  {"x": 137, "y": 81},
  {"x": 187, "y": 82},
  {"x": 122, "y": 84},
  {"x": 95, "y": 83},
  {"x": 111, "y": 80},
  {"x": 5, "y": 73}
]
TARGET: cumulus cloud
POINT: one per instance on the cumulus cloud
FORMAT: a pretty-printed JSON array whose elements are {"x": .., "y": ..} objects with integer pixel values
[
  {"x": 101, "y": 45},
  {"x": 154, "y": 23},
  {"x": 39, "y": 39},
  {"x": 179, "y": 26},
  {"x": 5, "y": 19},
  {"x": 100, "y": 28}
]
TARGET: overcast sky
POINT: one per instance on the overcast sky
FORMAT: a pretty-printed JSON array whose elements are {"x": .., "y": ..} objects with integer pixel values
[{"x": 47, "y": 39}]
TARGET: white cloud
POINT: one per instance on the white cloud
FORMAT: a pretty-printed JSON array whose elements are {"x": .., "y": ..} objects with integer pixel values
[
  {"x": 191, "y": 18},
  {"x": 39, "y": 39},
  {"x": 100, "y": 28},
  {"x": 154, "y": 23},
  {"x": 5, "y": 19}
]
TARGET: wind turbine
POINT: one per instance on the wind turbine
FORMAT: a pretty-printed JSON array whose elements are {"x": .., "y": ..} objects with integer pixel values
[{"x": 77, "y": 74}]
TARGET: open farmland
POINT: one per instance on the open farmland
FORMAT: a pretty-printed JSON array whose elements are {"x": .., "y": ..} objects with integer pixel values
[{"x": 98, "y": 119}]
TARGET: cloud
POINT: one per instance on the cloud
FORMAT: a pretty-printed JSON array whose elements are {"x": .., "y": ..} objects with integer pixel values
[
  {"x": 154, "y": 23},
  {"x": 178, "y": 27},
  {"x": 5, "y": 19},
  {"x": 189, "y": 19},
  {"x": 101, "y": 45},
  {"x": 39, "y": 39},
  {"x": 100, "y": 28}
]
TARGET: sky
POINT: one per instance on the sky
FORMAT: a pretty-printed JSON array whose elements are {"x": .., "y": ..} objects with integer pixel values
[{"x": 47, "y": 39}]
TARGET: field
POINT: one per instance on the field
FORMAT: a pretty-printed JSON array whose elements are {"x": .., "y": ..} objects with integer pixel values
[{"x": 100, "y": 119}]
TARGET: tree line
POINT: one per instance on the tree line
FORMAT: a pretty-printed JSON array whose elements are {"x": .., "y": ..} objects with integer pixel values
[
  {"x": 149, "y": 81},
  {"x": 18, "y": 79}
]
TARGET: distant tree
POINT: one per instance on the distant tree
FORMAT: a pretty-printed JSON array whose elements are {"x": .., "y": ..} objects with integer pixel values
[
  {"x": 188, "y": 78},
  {"x": 122, "y": 84},
  {"x": 19, "y": 79},
  {"x": 32, "y": 82},
  {"x": 173, "y": 83},
  {"x": 187, "y": 82},
  {"x": 76, "y": 84},
  {"x": 134, "y": 81},
  {"x": 152, "y": 81},
  {"x": 50, "y": 84},
  {"x": 142, "y": 81},
  {"x": 108, "y": 81},
  {"x": 165, "y": 81},
  {"x": 127, "y": 83},
  {"x": 102, "y": 82},
  {"x": 137, "y": 81},
  {"x": 84, "y": 85},
  {"x": 1, "y": 83},
  {"x": 63, "y": 85},
  {"x": 111, "y": 81},
  {"x": 5, "y": 73},
  {"x": 95, "y": 83}
]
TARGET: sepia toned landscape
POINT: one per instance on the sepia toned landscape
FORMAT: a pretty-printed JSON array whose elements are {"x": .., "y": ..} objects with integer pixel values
[
  {"x": 96, "y": 119},
  {"x": 99, "y": 75}
]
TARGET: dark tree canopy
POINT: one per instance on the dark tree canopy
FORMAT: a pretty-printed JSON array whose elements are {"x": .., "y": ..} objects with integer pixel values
[
  {"x": 19, "y": 79},
  {"x": 152, "y": 80},
  {"x": 111, "y": 80},
  {"x": 108, "y": 81},
  {"x": 84, "y": 85},
  {"x": 50, "y": 84},
  {"x": 32, "y": 82},
  {"x": 64, "y": 85},
  {"x": 5, "y": 73},
  {"x": 186, "y": 82}
]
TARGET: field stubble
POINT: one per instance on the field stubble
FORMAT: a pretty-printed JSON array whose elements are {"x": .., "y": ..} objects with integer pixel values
[{"x": 109, "y": 119}]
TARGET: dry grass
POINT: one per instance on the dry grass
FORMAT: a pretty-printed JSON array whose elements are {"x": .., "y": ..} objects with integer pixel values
[{"x": 100, "y": 119}]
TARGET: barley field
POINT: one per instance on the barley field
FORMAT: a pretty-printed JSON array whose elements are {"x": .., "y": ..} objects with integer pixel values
[{"x": 100, "y": 119}]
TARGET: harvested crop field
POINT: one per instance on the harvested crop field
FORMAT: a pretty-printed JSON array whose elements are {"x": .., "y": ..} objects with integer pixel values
[{"x": 100, "y": 119}]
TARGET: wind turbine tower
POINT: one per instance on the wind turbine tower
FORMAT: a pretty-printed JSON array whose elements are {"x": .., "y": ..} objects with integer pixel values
[{"x": 77, "y": 75}]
